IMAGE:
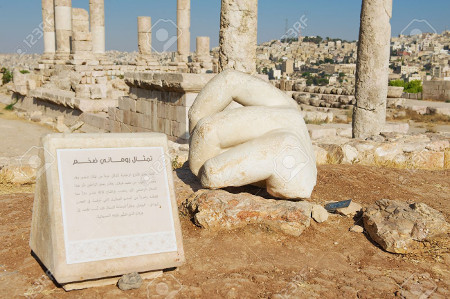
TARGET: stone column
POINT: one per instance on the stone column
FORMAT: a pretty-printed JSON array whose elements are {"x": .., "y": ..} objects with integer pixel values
[
  {"x": 203, "y": 57},
  {"x": 63, "y": 27},
  {"x": 372, "y": 68},
  {"x": 202, "y": 46},
  {"x": 97, "y": 16},
  {"x": 81, "y": 38},
  {"x": 145, "y": 35},
  {"x": 238, "y": 33},
  {"x": 183, "y": 31},
  {"x": 48, "y": 21}
]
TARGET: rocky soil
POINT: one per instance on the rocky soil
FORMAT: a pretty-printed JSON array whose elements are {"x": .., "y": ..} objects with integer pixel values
[{"x": 327, "y": 260}]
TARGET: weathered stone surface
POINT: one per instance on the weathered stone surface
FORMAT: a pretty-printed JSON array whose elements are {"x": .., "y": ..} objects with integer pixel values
[
  {"x": 219, "y": 209},
  {"x": 399, "y": 227},
  {"x": 177, "y": 82},
  {"x": 321, "y": 155},
  {"x": 68, "y": 99},
  {"x": 396, "y": 127},
  {"x": 395, "y": 92},
  {"x": 319, "y": 132},
  {"x": 317, "y": 116},
  {"x": 428, "y": 160},
  {"x": 36, "y": 116},
  {"x": 350, "y": 154},
  {"x": 60, "y": 126},
  {"x": 130, "y": 281}
]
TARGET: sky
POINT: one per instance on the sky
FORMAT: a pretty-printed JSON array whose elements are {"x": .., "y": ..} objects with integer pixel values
[{"x": 20, "y": 19}]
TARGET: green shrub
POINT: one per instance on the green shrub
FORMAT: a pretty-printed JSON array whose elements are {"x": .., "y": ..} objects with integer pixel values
[
  {"x": 415, "y": 86},
  {"x": 7, "y": 75},
  {"x": 398, "y": 83},
  {"x": 24, "y": 72}
]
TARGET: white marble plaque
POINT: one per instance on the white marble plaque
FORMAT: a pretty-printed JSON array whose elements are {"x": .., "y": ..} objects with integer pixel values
[{"x": 115, "y": 203}]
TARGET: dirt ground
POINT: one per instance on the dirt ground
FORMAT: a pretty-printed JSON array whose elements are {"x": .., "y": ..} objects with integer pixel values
[{"x": 326, "y": 261}]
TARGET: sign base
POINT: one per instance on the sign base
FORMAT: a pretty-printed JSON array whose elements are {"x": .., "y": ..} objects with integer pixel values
[{"x": 79, "y": 285}]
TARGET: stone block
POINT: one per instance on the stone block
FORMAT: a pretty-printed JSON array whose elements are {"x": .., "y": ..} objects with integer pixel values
[
  {"x": 318, "y": 133},
  {"x": 147, "y": 122},
  {"x": 98, "y": 91},
  {"x": 188, "y": 99},
  {"x": 396, "y": 127},
  {"x": 160, "y": 125},
  {"x": 428, "y": 160},
  {"x": 140, "y": 105},
  {"x": 134, "y": 119},
  {"x": 131, "y": 104},
  {"x": 82, "y": 46},
  {"x": 101, "y": 80},
  {"x": 147, "y": 108},
  {"x": 112, "y": 113},
  {"x": 127, "y": 117},
  {"x": 81, "y": 36},
  {"x": 123, "y": 104},
  {"x": 171, "y": 112},
  {"x": 321, "y": 155},
  {"x": 140, "y": 120},
  {"x": 161, "y": 109},
  {"x": 167, "y": 127},
  {"x": 114, "y": 126},
  {"x": 182, "y": 114},
  {"x": 98, "y": 73}
]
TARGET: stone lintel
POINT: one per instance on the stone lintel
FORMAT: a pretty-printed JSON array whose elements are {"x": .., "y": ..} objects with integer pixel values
[
  {"x": 68, "y": 99},
  {"x": 178, "y": 82}
]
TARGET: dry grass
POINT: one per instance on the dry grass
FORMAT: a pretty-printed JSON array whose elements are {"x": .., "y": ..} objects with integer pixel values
[
  {"x": 7, "y": 114},
  {"x": 8, "y": 188},
  {"x": 315, "y": 122},
  {"x": 424, "y": 118},
  {"x": 348, "y": 114}
]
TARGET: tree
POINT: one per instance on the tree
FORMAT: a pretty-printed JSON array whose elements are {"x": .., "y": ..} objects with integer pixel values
[{"x": 415, "y": 86}]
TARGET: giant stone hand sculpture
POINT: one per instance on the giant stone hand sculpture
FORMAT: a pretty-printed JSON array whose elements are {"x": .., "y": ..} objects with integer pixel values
[{"x": 265, "y": 142}]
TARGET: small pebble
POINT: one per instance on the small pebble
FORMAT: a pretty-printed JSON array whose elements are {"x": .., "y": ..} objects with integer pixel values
[
  {"x": 357, "y": 229},
  {"x": 130, "y": 281}
]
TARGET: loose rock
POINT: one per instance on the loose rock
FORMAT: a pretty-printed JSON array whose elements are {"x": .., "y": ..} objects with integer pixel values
[
  {"x": 399, "y": 227},
  {"x": 219, "y": 209},
  {"x": 319, "y": 214},
  {"x": 357, "y": 229},
  {"x": 130, "y": 281},
  {"x": 353, "y": 209}
]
